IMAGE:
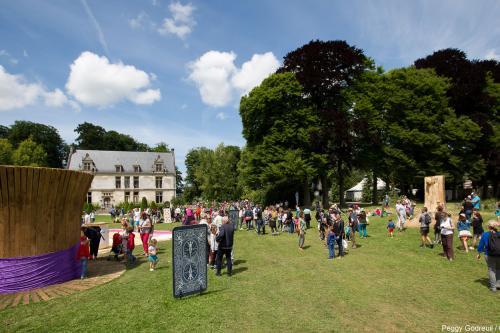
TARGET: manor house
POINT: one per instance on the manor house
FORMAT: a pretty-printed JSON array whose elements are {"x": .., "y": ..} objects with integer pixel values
[{"x": 125, "y": 176}]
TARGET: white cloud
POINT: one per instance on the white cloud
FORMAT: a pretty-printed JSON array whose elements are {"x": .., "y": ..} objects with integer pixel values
[
  {"x": 10, "y": 58},
  {"x": 55, "y": 98},
  {"x": 181, "y": 23},
  {"x": 218, "y": 79},
  {"x": 212, "y": 74},
  {"x": 221, "y": 116},
  {"x": 15, "y": 92},
  {"x": 254, "y": 71},
  {"x": 492, "y": 55},
  {"x": 139, "y": 21},
  {"x": 25, "y": 54},
  {"x": 94, "y": 81}
]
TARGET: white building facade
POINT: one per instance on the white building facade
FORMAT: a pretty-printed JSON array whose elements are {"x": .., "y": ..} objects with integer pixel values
[{"x": 123, "y": 176}]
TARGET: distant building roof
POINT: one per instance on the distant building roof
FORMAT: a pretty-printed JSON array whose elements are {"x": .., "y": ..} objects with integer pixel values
[{"x": 106, "y": 161}]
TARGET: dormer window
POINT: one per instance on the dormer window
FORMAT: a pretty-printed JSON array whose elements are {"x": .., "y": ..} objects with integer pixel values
[
  {"x": 119, "y": 168},
  {"x": 87, "y": 166},
  {"x": 137, "y": 168},
  {"x": 159, "y": 167}
]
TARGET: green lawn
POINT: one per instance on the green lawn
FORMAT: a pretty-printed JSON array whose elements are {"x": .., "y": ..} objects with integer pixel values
[{"x": 385, "y": 285}]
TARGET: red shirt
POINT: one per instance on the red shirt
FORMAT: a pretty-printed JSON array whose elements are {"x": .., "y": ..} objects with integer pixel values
[
  {"x": 84, "y": 249},
  {"x": 130, "y": 241}
]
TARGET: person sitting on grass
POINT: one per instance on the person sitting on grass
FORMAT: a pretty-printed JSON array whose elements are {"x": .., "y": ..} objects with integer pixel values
[
  {"x": 390, "y": 228},
  {"x": 330, "y": 241},
  {"x": 464, "y": 234},
  {"x": 425, "y": 221},
  {"x": 152, "y": 254},
  {"x": 490, "y": 246}
]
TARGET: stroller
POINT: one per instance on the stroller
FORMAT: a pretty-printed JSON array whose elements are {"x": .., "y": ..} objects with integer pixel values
[{"x": 117, "y": 247}]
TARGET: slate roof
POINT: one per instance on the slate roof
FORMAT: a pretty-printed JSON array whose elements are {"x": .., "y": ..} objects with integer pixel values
[{"x": 106, "y": 161}]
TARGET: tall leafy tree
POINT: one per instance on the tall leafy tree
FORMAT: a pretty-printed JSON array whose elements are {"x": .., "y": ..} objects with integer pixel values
[
  {"x": 472, "y": 94},
  {"x": 179, "y": 185},
  {"x": 5, "y": 152},
  {"x": 29, "y": 153},
  {"x": 95, "y": 137},
  {"x": 4, "y": 132},
  {"x": 278, "y": 123},
  {"x": 46, "y": 136},
  {"x": 325, "y": 69},
  {"x": 192, "y": 188}
]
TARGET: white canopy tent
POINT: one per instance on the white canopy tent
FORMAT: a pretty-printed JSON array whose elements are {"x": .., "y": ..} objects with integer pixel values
[{"x": 355, "y": 193}]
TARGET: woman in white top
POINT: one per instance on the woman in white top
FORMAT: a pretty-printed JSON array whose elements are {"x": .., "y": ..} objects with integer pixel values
[{"x": 447, "y": 237}]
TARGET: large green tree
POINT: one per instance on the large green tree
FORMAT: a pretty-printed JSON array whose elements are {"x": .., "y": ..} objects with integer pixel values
[
  {"x": 29, "y": 153},
  {"x": 278, "y": 123},
  {"x": 473, "y": 94},
  {"x": 325, "y": 69},
  {"x": 5, "y": 152},
  {"x": 46, "y": 136},
  {"x": 94, "y": 137}
]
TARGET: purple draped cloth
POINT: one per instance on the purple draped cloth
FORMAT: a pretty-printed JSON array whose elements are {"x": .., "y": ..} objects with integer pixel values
[{"x": 25, "y": 273}]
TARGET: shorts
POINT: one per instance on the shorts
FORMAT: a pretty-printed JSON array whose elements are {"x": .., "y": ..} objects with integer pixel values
[
  {"x": 390, "y": 229},
  {"x": 424, "y": 231},
  {"x": 153, "y": 258},
  {"x": 477, "y": 232},
  {"x": 464, "y": 234}
]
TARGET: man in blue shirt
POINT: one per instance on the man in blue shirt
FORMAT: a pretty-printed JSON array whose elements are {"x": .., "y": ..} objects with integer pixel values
[{"x": 492, "y": 259}]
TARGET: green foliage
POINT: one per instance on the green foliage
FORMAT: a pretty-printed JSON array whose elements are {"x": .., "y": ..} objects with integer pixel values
[
  {"x": 95, "y": 137},
  {"x": 367, "y": 192},
  {"x": 178, "y": 201},
  {"x": 46, "y": 136},
  {"x": 29, "y": 153},
  {"x": 161, "y": 147},
  {"x": 4, "y": 132},
  {"x": 89, "y": 207},
  {"x": 6, "y": 152},
  {"x": 144, "y": 203},
  {"x": 153, "y": 205},
  {"x": 179, "y": 185}
]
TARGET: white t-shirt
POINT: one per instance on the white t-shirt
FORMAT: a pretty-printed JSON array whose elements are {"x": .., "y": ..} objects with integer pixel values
[
  {"x": 213, "y": 243},
  {"x": 152, "y": 250},
  {"x": 137, "y": 215},
  {"x": 446, "y": 228},
  {"x": 87, "y": 218}
]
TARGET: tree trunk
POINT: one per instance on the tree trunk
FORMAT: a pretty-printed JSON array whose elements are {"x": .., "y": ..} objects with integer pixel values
[
  {"x": 374, "y": 189},
  {"x": 484, "y": 194},
  {"x": 325, "y": 187},
  {"x": 340, "y": 179},
  {"x": 307, "y": 194}
]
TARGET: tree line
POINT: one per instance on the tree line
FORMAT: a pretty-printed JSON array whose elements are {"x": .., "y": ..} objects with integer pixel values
[
  {"x": 33, "y": 144},
  {"x": 329, "y": 113}
]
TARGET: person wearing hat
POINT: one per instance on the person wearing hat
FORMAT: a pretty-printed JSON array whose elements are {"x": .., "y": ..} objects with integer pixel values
[
  {"x": 463, "y": 226},
  {"x": 490, "y": 246}
]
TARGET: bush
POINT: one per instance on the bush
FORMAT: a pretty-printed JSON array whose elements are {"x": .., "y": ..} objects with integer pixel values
[
  {"x": 152, "y": 205},
  {"x": 144, "y": 203},
  {"x": 177, "y": 201}
]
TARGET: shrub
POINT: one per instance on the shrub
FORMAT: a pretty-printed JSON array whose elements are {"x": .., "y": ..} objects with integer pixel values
[{"x": 144, "y": 203}]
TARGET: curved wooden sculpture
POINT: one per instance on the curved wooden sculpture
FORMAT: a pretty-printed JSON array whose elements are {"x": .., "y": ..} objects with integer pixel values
[{"x": 40, "y": 209}]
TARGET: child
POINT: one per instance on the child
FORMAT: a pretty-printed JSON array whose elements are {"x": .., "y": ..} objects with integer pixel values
[
  {"x": 213, "y": 246},
  {"x": 116, "y": 248},
  {"x": 130, "y": 245},
  {"x": 464, "y": 234},
  {"x": 330, "y": 241},
  {"x": 152, "y": 257},
  {"x": 390, "y": 228},
  {"x": 83, "y": 253}
]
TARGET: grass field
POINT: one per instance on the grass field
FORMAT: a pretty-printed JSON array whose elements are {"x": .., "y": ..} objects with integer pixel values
[{"x": 384, "y": 285}]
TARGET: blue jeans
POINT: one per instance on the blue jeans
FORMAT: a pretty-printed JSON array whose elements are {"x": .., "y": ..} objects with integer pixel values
[
  {"x": 260, "y": 226},
  {"x": 84, "y": 262},
  {"x": 362, "y": 230},
  {"x": 468, "y": 214},
  {"x": 130, "y": 257},
  {"x": 292, "y": 225},
  {"x": 331, "y": 251}
]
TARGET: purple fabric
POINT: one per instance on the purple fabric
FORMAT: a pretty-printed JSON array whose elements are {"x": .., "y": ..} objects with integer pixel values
[{"x": 25, "y": 273}]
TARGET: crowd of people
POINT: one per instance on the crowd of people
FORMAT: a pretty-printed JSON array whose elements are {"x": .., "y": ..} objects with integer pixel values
[{"x": 336, "y": 229}]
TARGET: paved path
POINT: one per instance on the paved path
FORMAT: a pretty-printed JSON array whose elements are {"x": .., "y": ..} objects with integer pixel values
[{"x": 100, "y": 272}]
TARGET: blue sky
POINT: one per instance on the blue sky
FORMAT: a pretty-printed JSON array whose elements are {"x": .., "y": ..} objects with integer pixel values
[{"x": 173, "y": 71}]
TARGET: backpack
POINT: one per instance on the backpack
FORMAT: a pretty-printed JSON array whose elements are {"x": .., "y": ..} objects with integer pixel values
[
  {"x": 494, "y": 245},
  {"x": 427, "y": 219}
]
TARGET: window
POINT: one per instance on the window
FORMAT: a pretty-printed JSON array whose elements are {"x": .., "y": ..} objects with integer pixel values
[
  {"x": 118, "y": 182},
  {"x": 87, "y": 166},
  {"x": 119, "y": 168},
  {"x": 159, "y": 197},
  {"x": 89, "y": 197},
  {"x": 136, "y": 197},
  {"x": 159, "y": 167},
  {"x": 127, "y": 196},
  {"x": 136, "y": 182},
  {"x": 159, "y": 182},
  {"x": 137, "y": 168},
  {"x": 127, "y": 182}
]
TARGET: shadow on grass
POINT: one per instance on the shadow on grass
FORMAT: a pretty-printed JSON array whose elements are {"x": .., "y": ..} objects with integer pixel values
[
  {"x": 239, "y": 261},
  {"x": 306, "y": 247},
  {"x": 239, "y": 270},
  {"x": 484, "y": 281}
]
